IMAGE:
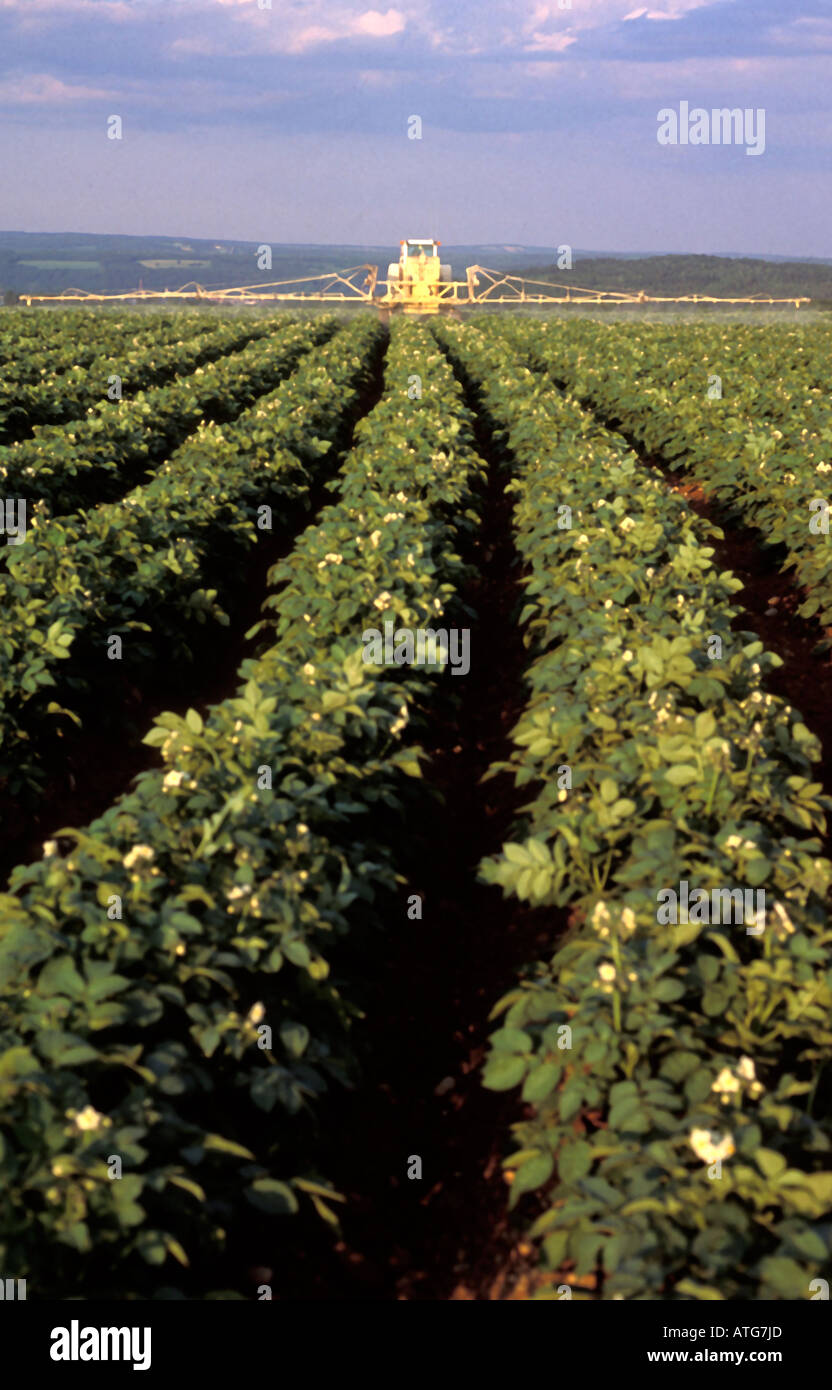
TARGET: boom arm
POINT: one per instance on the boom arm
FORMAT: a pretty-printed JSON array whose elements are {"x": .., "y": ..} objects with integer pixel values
[{"x": 420, "y": 290}]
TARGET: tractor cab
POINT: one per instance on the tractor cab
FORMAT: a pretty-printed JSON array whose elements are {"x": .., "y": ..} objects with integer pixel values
[{"x": 420, "y": 246}]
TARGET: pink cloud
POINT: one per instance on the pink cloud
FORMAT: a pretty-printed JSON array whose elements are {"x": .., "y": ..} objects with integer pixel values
[
  {"x": 294, "y": 29},
  {"x": 40, "y": 88},
  {"x": 378, "y": 25}
]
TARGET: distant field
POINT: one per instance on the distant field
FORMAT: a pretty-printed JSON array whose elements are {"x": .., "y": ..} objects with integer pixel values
[
  {"x": 169, "y": 265},
  {"x": 63, "y": 265}
]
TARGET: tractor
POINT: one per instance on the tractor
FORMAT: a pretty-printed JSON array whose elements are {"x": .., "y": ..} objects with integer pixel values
[{"x": 417, "y": 281}]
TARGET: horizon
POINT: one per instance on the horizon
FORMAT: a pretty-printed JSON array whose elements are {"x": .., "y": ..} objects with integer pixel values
[{"x": 514, "y": 246}]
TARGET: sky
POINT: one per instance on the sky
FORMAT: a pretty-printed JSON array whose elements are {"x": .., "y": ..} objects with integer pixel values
[{"x": 291, "y": 122}]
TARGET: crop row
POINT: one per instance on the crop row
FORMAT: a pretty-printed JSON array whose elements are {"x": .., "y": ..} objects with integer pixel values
[
  {"x": 762, "y": 447},
  {"x": 37, "y": 339},
  {"x": 126, "y": 581},
  {"x": 180, "y": 962},
  {"x": 29, "y": 359},
  {"x": 142, "y": 363},
  {"x": 678, "y": 1143},
  {"x": 98, "y": 458}
]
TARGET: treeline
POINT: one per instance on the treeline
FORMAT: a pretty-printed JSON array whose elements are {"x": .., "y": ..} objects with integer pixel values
[{"x": 724, "y": 276}]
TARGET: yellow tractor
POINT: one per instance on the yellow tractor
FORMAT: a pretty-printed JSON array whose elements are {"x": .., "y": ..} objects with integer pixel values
[{"x": 418, "y": 281}]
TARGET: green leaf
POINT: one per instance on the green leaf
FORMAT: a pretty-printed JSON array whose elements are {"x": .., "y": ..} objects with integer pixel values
[
  {"x": 809, "y": 1244},
  {"x": 151, "y": 1247},
  {"x": 770, "y": 1163},
  {"x": 532, "y": 1174},
  {"x": 757, "y": 871},
  {"x": 785, "y": 1276},
  {"x": 667, "y": 990},
  {"x": 297, "y": 952},
  {"x": 681, "y": 774},
  {"x": 642, "y": 1204},
  {"x": 295, "y": 1038},
  {"x": 705, "y": 725},
  {"x": 270, "y": 1195},
  {"x": 59, "y": 976},
  {"x": 188, "y": 1185},
  {"x": 226, "y": 1146},
  {"x": 705, "y": 1292},
  {"x": 679, "y": 1065},
  {"x": 554, "y": 1247},
  {"x": 18, "y": 1062},
  {"x": 510, "y": 1040},
  {"x": 540, "y": 1082},
  {"x": 503, "y": 1071},
  {"x": 575, "y": 1161},
  {"x": 176, "y": 1250},
  {"x": 820, "y": 1185}
]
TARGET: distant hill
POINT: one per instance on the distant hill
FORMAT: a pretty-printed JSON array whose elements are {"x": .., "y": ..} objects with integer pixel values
[
  {"x": 49, "y": 262},
  {"x": 676, "y": 275}
]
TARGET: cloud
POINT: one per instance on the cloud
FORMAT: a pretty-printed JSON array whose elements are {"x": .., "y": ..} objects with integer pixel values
[
  {"x": 804, "y": 33},
  {"x": 298, "y": 29},
  {"x": 370, "y": 24},
  {"x": 42, "y": 89},
  {"x": 333, "y": 67},
  {"x": 551, "y": 43},
  {"x": 380, "y": 26}
]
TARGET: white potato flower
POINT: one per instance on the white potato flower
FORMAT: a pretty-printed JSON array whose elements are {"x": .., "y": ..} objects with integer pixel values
[
  {"x": 88, "y": 1118},
  {"x": 140, "y": 854},
  {"x": 628, "y": 921},
  {"x": 726, "y": 1084},
  {"x": 709, "y": 1147}
]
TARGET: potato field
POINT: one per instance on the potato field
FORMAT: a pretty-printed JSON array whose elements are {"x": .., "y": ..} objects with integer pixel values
[{"x": 416, "y": 760}]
